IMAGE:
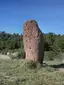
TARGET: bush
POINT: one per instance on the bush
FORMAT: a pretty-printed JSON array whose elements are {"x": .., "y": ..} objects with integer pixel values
[
  {"x": 17, "y": 55},
  {"x": 4, "y": 51},
  {"x": 32, "y": 65}
]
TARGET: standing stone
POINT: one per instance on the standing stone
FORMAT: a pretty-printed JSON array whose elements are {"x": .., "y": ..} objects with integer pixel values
[{"x": 33, "y": 41}]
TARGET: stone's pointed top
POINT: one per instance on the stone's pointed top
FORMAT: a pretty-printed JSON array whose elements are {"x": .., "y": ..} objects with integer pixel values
[{"x": 31, "y": 22}]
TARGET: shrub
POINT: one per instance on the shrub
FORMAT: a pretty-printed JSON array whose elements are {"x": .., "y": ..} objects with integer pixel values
[
  {"x": 17, "y": 55},
  {"x": 32, "y": 65}
]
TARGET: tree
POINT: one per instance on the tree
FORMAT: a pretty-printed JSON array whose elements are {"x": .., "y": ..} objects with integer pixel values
[
  {"x": 59, "y": 44},
  {"x": 49, "y": 40}
]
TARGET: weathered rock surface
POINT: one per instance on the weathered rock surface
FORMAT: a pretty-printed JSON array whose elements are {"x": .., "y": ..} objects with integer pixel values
[{"x": 33, "y": 41}]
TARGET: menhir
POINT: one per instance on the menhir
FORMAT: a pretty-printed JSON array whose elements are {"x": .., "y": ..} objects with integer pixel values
[{"x": 33, "y": 41}]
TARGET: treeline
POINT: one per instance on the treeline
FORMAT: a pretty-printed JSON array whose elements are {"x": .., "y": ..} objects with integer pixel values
[
  {"x": 54, "y": 46},
  {"x": 9, "y": 41},
  {"x": 53, "y": 42}
]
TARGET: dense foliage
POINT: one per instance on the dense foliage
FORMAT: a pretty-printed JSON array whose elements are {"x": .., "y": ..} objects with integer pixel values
[
  {"x": 54, "y": 42},
  {"x": 14, "y": 42},
  {"x": 9, "y": 41}
]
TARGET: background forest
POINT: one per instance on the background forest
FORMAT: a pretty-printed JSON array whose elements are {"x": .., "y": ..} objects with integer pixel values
[{"x": 53, "y": 46}]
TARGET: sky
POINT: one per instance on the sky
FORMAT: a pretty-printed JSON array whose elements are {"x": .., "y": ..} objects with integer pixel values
[{"x": 48, "y": 13}]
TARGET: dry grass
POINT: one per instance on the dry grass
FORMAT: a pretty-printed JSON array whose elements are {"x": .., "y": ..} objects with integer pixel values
[{"x": 22, "y": 72}]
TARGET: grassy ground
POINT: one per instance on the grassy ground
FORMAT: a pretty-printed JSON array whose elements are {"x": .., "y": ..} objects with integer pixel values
[{"x": 22, "y": 72}]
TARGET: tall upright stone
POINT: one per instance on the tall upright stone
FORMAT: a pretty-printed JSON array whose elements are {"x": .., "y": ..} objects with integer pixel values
[{"x": 33, "y": 41}]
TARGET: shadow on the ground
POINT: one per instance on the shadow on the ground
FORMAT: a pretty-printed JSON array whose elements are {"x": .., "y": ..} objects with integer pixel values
[
  {"x": 54, "y": 66},
  {"x": 58, "y": 66}
]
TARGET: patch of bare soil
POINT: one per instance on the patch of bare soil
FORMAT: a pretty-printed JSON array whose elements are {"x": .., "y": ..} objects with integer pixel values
[
  {"x": 61, "y": 69},
  {"x": 4, "y": 57}
]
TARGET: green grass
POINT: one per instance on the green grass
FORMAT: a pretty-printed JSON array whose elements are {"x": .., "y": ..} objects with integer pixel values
[{"x": 22, "y": 72}]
